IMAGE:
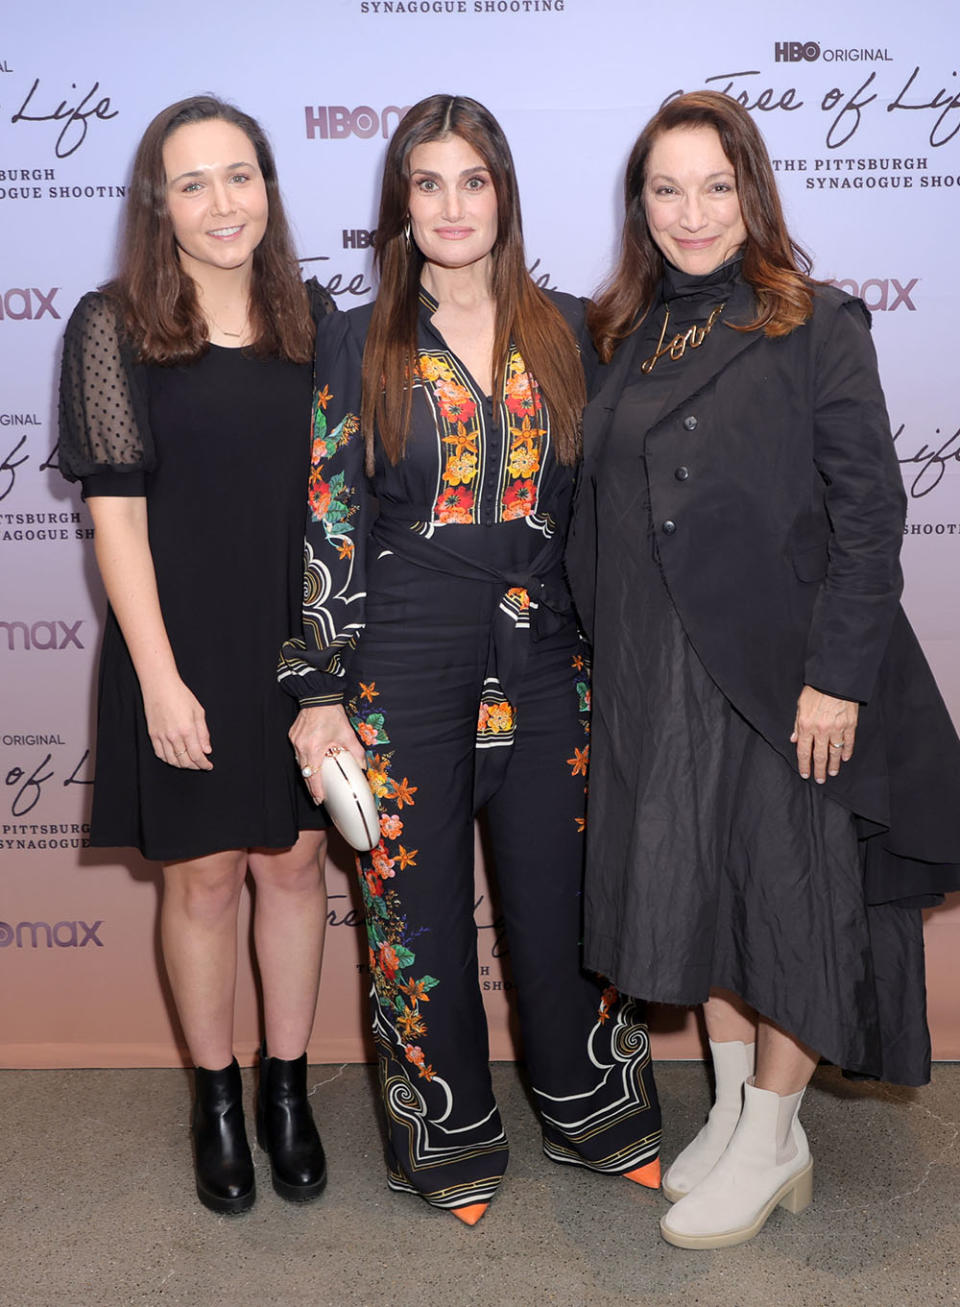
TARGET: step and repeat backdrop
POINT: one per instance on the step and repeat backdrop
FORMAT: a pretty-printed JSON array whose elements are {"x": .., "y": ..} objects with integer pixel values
[{"x": 860, "y": 107}]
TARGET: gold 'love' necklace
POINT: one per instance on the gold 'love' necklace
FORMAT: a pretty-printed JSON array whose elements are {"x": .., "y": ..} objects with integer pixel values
[{"x": 676, "y": 347}]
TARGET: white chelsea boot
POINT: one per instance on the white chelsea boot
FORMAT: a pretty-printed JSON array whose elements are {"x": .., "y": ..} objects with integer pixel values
[
  {"x": 733, "y": 1062},
  {"x": 766, "y": 1164}
]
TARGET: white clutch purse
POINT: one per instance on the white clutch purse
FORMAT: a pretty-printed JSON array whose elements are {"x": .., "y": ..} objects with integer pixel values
[{"x": 349, "y": 800}]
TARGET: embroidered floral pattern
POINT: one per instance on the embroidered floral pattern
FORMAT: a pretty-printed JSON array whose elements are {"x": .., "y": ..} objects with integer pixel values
[
  {"x": 332, "y": 501},
  {"x": 400, "y": 993},
  {"x": 459, "y": 435},
  {"x": 608, "y": 1000},
  {"x": 580, "y": 762},
  {"x": 497, "y": 717},
  {"x": 454, "y": 506},
  {"x": 519, "y": 500},
  {"x": 527, "y": 430},
  {"x": 460, "y": 422}
]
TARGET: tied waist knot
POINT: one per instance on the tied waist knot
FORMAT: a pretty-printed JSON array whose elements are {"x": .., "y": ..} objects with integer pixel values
[
  {"x": 512, "y": 633},
  {"x": 542, "y": 578}
]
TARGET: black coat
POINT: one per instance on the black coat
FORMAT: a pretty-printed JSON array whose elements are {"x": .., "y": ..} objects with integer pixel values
[{"x": 778, "y": 508}]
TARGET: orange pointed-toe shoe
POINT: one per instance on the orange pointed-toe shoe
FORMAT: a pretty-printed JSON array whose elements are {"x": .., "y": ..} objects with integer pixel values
[
  {"x": 471, "y": 1214},
  {"x": 648, "y": 1175}
]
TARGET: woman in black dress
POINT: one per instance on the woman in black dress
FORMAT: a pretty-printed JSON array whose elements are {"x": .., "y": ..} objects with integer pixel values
[
  {"x": 185, "y": 399},
  {"x": 735, "y": 554},
  {"x": 440, "y": 634}
]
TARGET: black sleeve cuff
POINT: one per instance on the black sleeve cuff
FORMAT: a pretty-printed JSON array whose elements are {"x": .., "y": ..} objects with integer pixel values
[{"x": 114, "y": 483}]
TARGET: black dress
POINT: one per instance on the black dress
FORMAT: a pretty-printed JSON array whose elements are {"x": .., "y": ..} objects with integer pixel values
[
  {"x": 710, "y": 862},
  {"x": 220, "y": 448}
]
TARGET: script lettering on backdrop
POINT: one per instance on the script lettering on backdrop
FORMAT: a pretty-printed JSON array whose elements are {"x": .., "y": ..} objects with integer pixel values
[
  {"x": 849, "y": 115},
  {"x": 354, "y": 917},
  {"x": 931, "y": 462},
  {"x": 357, "y": 286},
  {"x": 10, "y": 463},
  {"x": 27, "y": 786},
  {"x": 76, "y": 118},
  {"x": 8, "y": 468}
]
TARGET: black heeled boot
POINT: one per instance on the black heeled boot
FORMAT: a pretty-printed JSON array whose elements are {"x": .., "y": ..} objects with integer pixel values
[
  {"x": 225, "y": 1180},
  {"x": 286, "y": 1129}
]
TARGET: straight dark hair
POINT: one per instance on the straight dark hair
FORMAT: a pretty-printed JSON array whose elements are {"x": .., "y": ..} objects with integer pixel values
[
  {"x": 158, "y": 299},
  {"x": 773, "y": 264},
  {"x": 525, "y": 316}
]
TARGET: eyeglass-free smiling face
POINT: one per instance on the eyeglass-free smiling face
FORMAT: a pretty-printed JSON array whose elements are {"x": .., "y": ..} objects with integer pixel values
[
  {"x": 453, "y": 203},
  {"x": 690, "y": 199},
  {"x": 216, "y": 195}
]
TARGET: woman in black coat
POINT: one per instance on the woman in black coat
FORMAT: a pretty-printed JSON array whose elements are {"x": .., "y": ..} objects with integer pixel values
[{"x": 770, "y": 803}]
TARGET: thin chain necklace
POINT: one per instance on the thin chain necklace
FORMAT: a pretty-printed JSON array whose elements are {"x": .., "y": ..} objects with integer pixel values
[
  {"x": 692, "y": 338},
  {"x": 234, "y": 335}
]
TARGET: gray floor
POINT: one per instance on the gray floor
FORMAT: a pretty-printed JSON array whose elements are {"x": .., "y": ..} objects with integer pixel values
[{"x": 97, "y": 1207}]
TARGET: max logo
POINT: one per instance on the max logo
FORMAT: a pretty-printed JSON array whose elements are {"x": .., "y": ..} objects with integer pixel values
[
  {"x": 43, "y": 635},
  {"x": 62, "y": 934},
  {"x": 880, "y": 294},
  {"x": 27, "y": 302}
]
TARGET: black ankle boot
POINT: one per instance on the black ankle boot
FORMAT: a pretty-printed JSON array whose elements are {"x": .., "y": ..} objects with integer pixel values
[
  {"x": 225, "y": 1181},
  {"x": 286, "y": 1130}
]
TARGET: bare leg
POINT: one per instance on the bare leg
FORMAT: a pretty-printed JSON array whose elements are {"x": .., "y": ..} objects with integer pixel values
[
  {"x": 290, "y": 917},
  {"x": 728, "y": 1017},
  {"x": 198, "y": 927},
  {"x": 784, "y": 1065}
]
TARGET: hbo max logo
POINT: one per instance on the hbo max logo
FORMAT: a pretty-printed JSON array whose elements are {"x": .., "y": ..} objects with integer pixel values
[
  {"x": 62, "y": 934},
  {"x": 43, "y": 635},
  {"x": 792, "y": 52},
  {"x": 21, "y": 302},
  {"x": 335, "y": 122}
]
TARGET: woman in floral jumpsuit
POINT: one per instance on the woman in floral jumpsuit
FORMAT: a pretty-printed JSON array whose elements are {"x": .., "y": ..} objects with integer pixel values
[{"x": 437, "y": 614}]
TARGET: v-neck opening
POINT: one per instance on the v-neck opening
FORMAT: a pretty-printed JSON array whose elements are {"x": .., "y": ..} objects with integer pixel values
[{"x": 429, "y": 303}]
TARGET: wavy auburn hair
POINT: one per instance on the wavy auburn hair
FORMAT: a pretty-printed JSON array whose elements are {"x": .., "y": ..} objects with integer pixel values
[
  {"x": 773, "y": 264},
  {"x": 525, "y": 316},
  {"x": 158, "y": 299}
]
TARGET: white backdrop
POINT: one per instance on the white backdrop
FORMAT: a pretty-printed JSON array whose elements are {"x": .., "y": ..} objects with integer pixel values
[{"x": 860, "y": 106}]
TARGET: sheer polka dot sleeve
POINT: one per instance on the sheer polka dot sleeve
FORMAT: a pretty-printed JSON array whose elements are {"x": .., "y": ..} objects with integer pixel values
[{"x": 103, "y": 412}]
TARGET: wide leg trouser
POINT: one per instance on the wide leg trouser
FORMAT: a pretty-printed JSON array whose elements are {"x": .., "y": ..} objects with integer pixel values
[{"x": 443, "y": 740}]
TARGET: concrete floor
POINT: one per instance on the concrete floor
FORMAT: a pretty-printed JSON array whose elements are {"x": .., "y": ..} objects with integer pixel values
[{"x": 97, "y": 1209}]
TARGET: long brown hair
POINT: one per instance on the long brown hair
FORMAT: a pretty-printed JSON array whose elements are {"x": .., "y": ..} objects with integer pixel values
[
  {"x": 158, "y": 299},
  {"x": 774, "y": 265},
  {"x": 525, "y": 316}
]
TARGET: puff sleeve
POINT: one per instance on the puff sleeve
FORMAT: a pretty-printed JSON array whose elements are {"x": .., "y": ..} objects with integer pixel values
[{"x": 105, "y": 439}]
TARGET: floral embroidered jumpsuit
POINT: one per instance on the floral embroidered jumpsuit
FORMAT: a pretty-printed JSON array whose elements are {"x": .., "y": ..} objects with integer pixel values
[{"x": 439, "y": 615}]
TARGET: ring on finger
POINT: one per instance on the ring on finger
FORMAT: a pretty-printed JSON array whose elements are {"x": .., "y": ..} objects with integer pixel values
[
  {"x": 178, "y": 753},
  {"x": 834, "y": 745}
]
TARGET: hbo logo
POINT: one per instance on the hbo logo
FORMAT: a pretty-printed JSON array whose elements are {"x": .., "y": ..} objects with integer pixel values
[
  {"x": 334, "y": 122},
  {"x": 791, "y": 52}
]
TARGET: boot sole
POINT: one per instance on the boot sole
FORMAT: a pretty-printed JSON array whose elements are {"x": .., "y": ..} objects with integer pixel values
[
  {"x": 673, "y": 1195},
  {"x": 795, "y": 1195},
  {"x": 292, "y": 1193},
  {"x": 227, "y": 1206},
  {"x": 299, "y": 1193}
]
